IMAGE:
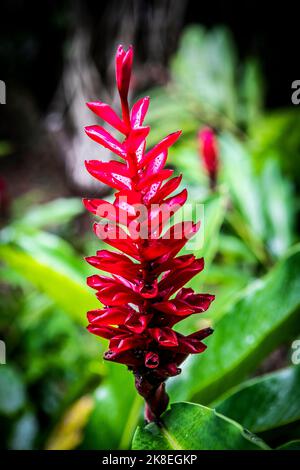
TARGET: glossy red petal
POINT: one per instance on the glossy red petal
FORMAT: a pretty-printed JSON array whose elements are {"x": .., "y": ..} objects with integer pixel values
[
  {"x": 171, "y": 264},
  {"x": 136, "y": 138},
  {"x": 156, "y": 164},
  {"x": 162, "y": 146},
  {"x": 161, "y": 213},
  {"x": 123, "y": 74},
  {"x": 198, "y": 302},
  {"x": 165, "y": 190},
  {"x": 154, "y": 178},
  {"x": 151, "y": 360},
  {"x": 115, "y": 236},
  {"x": 115, "y": 263},
  {"x": 128, "y": 357},
  {"x": 113, "y": 173},
  {"x": 110, "y": 291},
  {"x": 106, "y": 332},
  {"x": 192, "y": 344},
  {"x": 176, "y": 279},
  {"x": 137, "y": 323},
  {"x": 105, "y": 112},
  {"x": 138, "y": 112},
  {"x": 129, "y": 341},
  {"x": 107, "y": 317},
  {"x": 101, "y": 136},
  {"x": 106, "y": 210},
  {"x": 164, "y": 336},
  {"x": 123, "y": 70}
]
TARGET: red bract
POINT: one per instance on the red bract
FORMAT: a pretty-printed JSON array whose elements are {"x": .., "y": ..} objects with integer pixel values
[
  {"x": 144, "y": 295},
  {"x": 209, "y": 153}
]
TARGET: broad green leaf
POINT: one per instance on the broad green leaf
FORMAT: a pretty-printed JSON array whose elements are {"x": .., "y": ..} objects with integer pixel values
[
  {"x": 187, "y": 426},
  {"x": 265, "y": 402},
  {"x": 71, "y": 295},
  {"x": 255, "y": 325},
  {"x": 48, "y": 249},
  {"x": 116, "y": 411},
  {"x": 12, "y": 390},
  {"x": 292, "y": 445}
]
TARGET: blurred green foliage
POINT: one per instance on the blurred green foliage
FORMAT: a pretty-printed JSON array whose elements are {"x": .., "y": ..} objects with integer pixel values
[{"x": 56, "y": 392}]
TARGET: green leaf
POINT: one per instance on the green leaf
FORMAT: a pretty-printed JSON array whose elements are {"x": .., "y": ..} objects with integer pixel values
[
  {"x": 226, "y": 283},
  {"x": 243, "y": 183},
  {"x": 48, "y": 249},
  {"x": 214, "y": 213},
  {"x": 70, "y": 294},
  {"x": 12, "y": 391},
  {"x": 266, "y": 402},
  {"x": 211, "y": 213},
  {"x": 232, "y": 247},
  {"x": 254, "y": 326},
  {"x": 187, "y": 426},
  {"x": 292, "y": 445},
  {"x": 116, "y": 412},
  {"x": 252, "y": 88},
  {"x": 279, "y": 208},
  {"x": 57, "y": 212},
  {"x": 204, "y": 67},
  {"x": 277, "y": 133},
  {"x": 187, "y": 162}
]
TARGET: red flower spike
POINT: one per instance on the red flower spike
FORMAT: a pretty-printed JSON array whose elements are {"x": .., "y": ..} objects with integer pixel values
[
  {"x": 209, "y": 154},
  {"x": 143, "y": 297}
]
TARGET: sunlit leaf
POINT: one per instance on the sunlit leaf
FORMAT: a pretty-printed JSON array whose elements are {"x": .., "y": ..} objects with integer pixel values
[
  {"x": 71, "y": 295},
  {"x": 187, "y": 426}
]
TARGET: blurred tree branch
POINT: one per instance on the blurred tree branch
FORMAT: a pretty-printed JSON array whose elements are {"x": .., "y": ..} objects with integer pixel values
[{"x": 152, "y": 27}]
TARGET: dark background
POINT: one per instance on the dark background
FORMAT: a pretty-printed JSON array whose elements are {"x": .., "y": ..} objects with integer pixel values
[{"x": 33, "y": 38}]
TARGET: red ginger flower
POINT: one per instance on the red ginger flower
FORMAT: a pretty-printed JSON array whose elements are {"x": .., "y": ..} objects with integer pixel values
[
  {"x": 139, "y": 307},
  {"x": 209, "y": 152}
]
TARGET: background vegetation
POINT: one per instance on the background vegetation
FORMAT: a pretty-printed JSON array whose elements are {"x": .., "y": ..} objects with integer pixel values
[{"x": 55, "y": 390}]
